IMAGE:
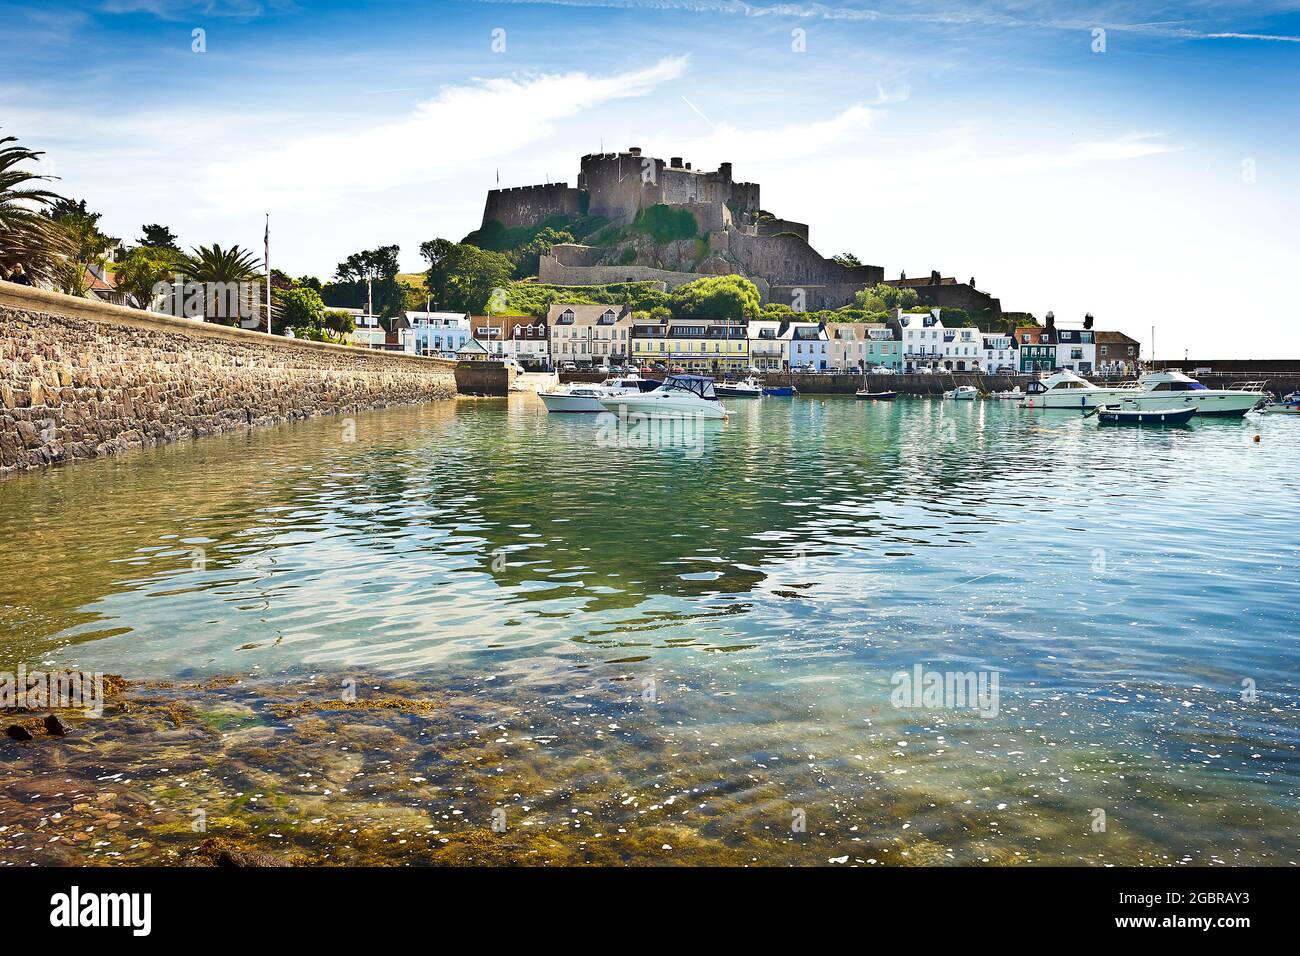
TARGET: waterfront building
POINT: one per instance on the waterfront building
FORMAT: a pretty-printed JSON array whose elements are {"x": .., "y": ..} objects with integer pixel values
[
  {"x": 589, "y": 334},
  {"x": 767, "y": 347},
  {"x": 697, "y": 345},
  {"x": 1000, "y": 353},
  {"x": 434, "y": 333},
  {"x": 518, "y": 337},
  {"x": 860, "y": 346},
  {"x": 473, "y": 351},
  {"x": 367, "y": 329},
  {"x": 1076, "y": 349},
  {"x": 927, "y": 343},
  {"x": 1037, "y": 348},
  {"x": 806, "y": 346},
  {"x": 1117, "y": 353}
]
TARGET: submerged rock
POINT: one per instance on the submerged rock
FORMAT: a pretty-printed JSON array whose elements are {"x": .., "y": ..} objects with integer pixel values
[
  {"x": 18, "y": 732},
  {"x": 214, "y": 852},
  {"x": 55, "y": 726}
]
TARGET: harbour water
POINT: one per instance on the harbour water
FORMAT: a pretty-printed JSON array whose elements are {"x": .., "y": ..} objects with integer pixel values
[{"x": 669, "y": 654}]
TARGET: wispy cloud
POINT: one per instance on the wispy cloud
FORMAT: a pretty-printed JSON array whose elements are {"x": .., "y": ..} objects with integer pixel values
[
  {"x": 458, "y": 130},
  {"x": 952, "y": 15},
  {"x": 178, "y": 9}
]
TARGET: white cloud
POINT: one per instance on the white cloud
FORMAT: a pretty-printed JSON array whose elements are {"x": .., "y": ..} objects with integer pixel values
[{"x": 454, "y": 132}]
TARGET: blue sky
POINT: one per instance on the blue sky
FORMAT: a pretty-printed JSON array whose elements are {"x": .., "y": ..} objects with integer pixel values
[{"x": 1154, "y": 183}]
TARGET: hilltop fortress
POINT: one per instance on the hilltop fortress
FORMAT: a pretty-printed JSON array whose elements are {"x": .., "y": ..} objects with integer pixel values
[{"x": 735, "y": 235}]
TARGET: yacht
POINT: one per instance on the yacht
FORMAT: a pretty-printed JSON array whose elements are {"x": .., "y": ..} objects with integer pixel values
[
  {"x": 962, "y": 392},
  {"x": 1170, "y": 388},
  {"x": 585, "y": 397},
  {"x": 1064, "y": 389},
  {"x": 679, "y": 396},
  {"x": 745, "y": 388}
]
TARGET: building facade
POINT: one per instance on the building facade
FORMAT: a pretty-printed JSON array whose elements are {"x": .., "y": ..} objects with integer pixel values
[
  {"x": 1076, "y": 350},
  {"x": 1117, "y": 354},
  {"x": 807, "y": 346},
  {"x": 589, "y": 334},
  {"x": 861, "y": 346},
  {"x": 435, "y": 333},
  {"x": 1000, "y": 353},
  {"x": 697, "y": 345},
  {"x": 1037, "y": 348}
]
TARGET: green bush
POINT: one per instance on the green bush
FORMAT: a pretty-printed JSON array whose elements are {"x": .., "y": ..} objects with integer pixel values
[{"x": 665, "y": 224}]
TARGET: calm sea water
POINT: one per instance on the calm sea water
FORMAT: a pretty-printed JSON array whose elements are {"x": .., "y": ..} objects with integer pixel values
[{"x": 711, "y": 632}]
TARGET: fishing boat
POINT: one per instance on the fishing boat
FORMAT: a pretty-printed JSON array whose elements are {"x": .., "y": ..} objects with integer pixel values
[
  {"x": 745, "y": 388},
  {"x": 963, "y": 393},
  {"x": 867, "y": 394},
  {"x": 1127, "y": 415},
  {"x": 780, "y": 391},
  {"x": 680, "y": 396}
]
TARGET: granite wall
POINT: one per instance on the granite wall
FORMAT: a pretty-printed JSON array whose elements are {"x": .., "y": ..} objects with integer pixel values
[{"x": 81, "y": 379}]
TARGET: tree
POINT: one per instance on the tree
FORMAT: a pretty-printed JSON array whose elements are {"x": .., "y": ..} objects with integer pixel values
[
  {"x": 158, "y": 237},
  {"x": 300, "y": 309},
  {"x": 141, "y": 271},
  {"x": 224, "y": 277},
  {"x": 723, "y": 297},
  {"x": 528, "y": 255},
  {"x": 86, "y": 244},
  {"x": 28, "y": 237},
  {"x": 886, "y": 298},
  {"x": 848, "y": 259},
  {"x": 463, "y": 277},
  {"x": 365, "y": 278}
]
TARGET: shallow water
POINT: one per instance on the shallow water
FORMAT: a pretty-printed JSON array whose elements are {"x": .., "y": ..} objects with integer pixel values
[{"x": 682, "y": 647}]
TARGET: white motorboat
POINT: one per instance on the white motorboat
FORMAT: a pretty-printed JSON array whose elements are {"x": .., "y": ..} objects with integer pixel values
[
  {"x": 1013, "y": 394},
  {"x": 1287, "y": 405},
  {"x": 1170, "y": 388},
  {"x": 680, "y": 396},
  {"x": 1065, "y": 389},
  {"x": 585, "y": 397},
  {"x": 745, "y": 388},
  {"x": 962, "y": 393}
]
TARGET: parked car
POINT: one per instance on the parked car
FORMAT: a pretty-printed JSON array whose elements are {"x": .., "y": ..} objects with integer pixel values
[
  {"x": 568, "y": 367},
  {"x": 678, "y": 370},
  {"x": 924, "y": 370},
  {"x": 881, "y": 370}
]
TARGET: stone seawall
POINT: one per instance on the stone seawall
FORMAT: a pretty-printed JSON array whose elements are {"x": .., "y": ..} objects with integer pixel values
[{"x": 81, "y": 379}]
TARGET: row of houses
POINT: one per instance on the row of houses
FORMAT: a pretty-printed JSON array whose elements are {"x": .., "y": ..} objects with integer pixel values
[{"x": 602, "y": 335}]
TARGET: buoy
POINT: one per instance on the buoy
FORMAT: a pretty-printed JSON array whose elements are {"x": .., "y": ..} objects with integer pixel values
[{"x": 1256, "y": 438}]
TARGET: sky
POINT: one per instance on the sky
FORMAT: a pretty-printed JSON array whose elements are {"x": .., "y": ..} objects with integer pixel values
[{"x": 1135, "y": 160}]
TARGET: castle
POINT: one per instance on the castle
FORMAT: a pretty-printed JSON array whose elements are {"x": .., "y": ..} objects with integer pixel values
[{"x": 736, "y": 235}]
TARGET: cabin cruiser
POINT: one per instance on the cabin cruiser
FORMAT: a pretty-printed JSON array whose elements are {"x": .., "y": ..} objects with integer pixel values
[
  {"x": 1065, "y": 389},
  {"x": 1287, "y": 405},
  {"x": 962, "y": 392},
  {"x": 745, "y": 388},
  {"x": 1170, "y": 388},
  {"x": 585, "y": 397},
  {"x": 679, "y": 396}
]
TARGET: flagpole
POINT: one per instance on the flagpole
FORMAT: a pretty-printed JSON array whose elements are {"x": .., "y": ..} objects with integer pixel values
[{"x": 268, "y": 273}]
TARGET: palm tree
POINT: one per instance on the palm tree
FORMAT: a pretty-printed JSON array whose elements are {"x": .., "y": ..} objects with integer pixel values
[
  {"x": 223, "y": 274},
  {"x": 27, "y": 237}
]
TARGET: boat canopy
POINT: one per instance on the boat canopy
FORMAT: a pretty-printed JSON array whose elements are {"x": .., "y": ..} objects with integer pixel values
[{"x": 696, "y": 384}]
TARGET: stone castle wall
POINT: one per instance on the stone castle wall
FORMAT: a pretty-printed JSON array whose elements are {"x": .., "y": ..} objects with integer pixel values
[
  {"x": 530, "y": 205},
  {"x": 551, "y": 271},
  {"x": 789, "y": 261},
  {"x": 82, "y": 379}
]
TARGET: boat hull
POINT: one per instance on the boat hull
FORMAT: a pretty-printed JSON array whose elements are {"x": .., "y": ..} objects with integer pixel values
[
  {"x": 1109, "y": 415},
  {"x": 571, "y": 404},
  {"x": 876, "y": 396},
  {"x": 728, "y": 391},
  {"x": 780, "y": 391},
  {"x": 663, "y": 405},
  {"x": 1079, "y": 400},
  {"x": 1225, "y": 404}
]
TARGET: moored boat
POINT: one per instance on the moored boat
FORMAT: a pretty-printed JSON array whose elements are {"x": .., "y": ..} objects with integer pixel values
[
  {"x": 964, "y": 393},
  {"x": 1123, "y": 415},
  {"x": 585, "y": 397},
  {"x": 1170, "y": 388},
  {"x": 1013, "y": 394},
  {"x": 745, "y": 388},
  {"x": 1065, "y": 389},
  {"x": 866, "y": 394},
  {"x": 780, "y": 391},
  {"x": 680, "y": 396}
]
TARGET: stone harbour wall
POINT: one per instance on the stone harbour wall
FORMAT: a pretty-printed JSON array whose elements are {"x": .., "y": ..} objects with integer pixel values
[{"x": 82, "y": 379}]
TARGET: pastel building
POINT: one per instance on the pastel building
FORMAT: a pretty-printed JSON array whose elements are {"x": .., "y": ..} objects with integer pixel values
[
  {"x": 435, "y": 333},
  {"x": 1076, "y": 349},
  {"x": 697, "y": 345},
  {"x": 927, "y": 343},
  {"x": 1000, "y": 353},
  {"x": 861, "y": 346},
  {"x": 767, "y": 347},
  {"x": 807, "y": 345},
  {"x": 1037, "y": 348}
]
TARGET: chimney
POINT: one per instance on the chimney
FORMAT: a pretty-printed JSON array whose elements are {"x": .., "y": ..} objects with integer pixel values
[
  {"x": 675, "y": 162},
  {"x": 934, "y": 277},
  {"x": 1051, "y": 320},
  {"x": 902, "y": 276},
  {"x": 634, "y": 150},
  {"x": 972, "y": 282},
  {"x": 1087, "y": 321},
  {"x": 688, "y": 165}
]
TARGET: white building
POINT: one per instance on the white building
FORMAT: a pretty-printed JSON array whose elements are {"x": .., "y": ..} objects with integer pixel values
[
  {"x": 1076, "y": 349},
  {"x": 927, "y": 343},
  {"x": 435, "y": 333},
  {"x": 767, "y": 349},
  {"x": 1000, "y": 352}
]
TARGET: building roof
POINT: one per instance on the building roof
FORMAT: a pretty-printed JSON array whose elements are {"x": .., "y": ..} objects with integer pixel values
[
  {"x": 1034, "y": 335},
  {"x": 855, "y": 331},
  {"x": 585, "y": 314},
  {"x": 1115, "y": 338}
]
